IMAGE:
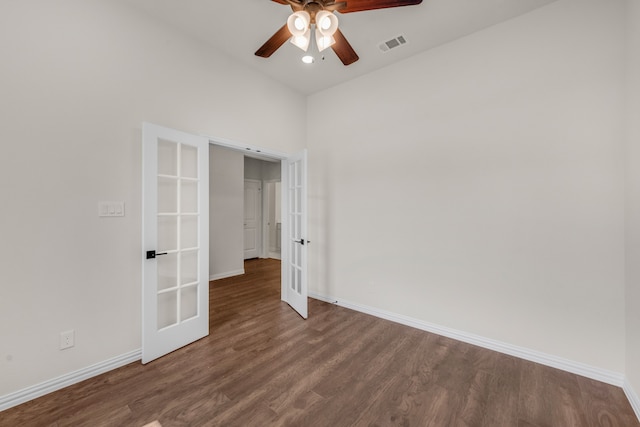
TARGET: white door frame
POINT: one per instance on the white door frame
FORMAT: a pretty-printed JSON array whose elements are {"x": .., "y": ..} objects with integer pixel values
[{"x": 273, "y": 155}]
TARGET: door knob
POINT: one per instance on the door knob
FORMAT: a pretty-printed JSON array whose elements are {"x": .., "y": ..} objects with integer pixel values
[{"x": 153, "y": 254}]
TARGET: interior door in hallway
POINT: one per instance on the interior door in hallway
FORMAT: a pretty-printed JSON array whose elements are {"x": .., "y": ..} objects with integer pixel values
[{"x": 252, "y": 218}]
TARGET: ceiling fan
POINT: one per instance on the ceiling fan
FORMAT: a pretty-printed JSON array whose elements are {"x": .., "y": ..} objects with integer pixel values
[{"x": 319, "y": 13}]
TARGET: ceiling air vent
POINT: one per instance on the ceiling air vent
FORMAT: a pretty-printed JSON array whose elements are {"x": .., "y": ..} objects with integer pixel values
[{"x": 393, "y": 43}]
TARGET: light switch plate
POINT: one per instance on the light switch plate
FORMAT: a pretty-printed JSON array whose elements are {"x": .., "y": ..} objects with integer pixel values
[{"x": 110, "y": 209}]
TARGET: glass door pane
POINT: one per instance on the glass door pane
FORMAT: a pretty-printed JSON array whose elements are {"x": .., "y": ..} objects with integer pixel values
[
  {"x": 295, "y": 222},
  {"x": 178, "y": 249}
]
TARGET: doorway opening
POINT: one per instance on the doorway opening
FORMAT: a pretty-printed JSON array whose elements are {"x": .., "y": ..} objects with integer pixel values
[
  {"x": 183, "y": 245},
  {"x": 229, "y": 157},
  {"x": 227, "y": 214},
  {"x": 242, "y": 210},
  {"x": 262, "y": 210}
]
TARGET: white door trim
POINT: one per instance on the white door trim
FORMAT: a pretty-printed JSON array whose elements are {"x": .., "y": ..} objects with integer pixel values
[
  {"x": 247, "y": 148},
  {"x": 267, "y": 154}
]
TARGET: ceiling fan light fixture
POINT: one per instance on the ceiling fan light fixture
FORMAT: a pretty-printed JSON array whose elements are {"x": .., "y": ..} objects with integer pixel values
[
  {"x": 323, "y": 41},
  {"x": 302, "y": 41},
  {"x": 326, "y": 23},
  {"x": 298, "y": 23},
  {"x": 318, "y": 15}
]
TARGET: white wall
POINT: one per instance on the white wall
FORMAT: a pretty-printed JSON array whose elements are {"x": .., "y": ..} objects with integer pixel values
[
  {"x": 261, "y": 169},
  {"x": 252, "y": 168},
  {"x": 479, "y": 186},
  {"x": 271, "y": 171},
  {"x": 633, "y": 196},
  {"x": 78, "y": 78},
  {"x": 226, "y": 207}
]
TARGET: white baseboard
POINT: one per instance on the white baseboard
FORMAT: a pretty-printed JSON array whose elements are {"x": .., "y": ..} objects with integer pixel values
[
  {"x": 226, "y": 274},
  {"x": 614, "y": 378},
  {"x": 603, "y": 375},
  {"x": 33, "y": 392},
  {"x": 634, "y": 400}
]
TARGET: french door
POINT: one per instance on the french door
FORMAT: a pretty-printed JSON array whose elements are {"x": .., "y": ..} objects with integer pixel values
[
  {"x": 175, "y": 290},
  {"x": 294, "y": 229}
]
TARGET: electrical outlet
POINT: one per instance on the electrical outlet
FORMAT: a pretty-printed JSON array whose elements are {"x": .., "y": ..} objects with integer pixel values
[{"x": 67, "y": 339}]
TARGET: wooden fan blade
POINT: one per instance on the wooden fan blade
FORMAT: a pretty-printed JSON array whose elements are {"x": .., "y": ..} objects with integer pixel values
[
  {"x": 276, "y": 40},
  {"x": 295, "y": 5},
  {"x": 343, "y": 49},
  {"x": 361, "y": 5},
  {"x": 335, "y": 6}
]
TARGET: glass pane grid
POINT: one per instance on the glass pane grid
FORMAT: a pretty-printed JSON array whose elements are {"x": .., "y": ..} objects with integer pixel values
[
  {"x": 298, "y": 174},
  {"x": 167, "y": 233},
  {"x": 292, "y": 174},
  {"x": 188, "y": 284},
  {"x": 188, "y": 161},
  {"x": 188, "y": 196},
  {"x": 167, "y": 153},
  {"x": 178, "y": 216},
  {"x": 188, "y": 302},
  {"x": 167, "y": 195},
  {"x": 167, "y": 271},
  {"x": 188, "y": 267},
  {"x": 188, "y": 232},
  {"x": 165, "y": 176},
  {"x": 167, "y": 309}
]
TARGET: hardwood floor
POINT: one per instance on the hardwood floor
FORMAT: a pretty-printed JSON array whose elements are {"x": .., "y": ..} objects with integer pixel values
[{"x": 263, "y": 365}]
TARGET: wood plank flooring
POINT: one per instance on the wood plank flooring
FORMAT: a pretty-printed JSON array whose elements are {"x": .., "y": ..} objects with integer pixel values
[{"x": 263, "y": 365}]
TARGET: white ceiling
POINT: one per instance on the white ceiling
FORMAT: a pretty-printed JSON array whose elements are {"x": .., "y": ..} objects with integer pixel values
[{"x": 240, "y": 27}]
